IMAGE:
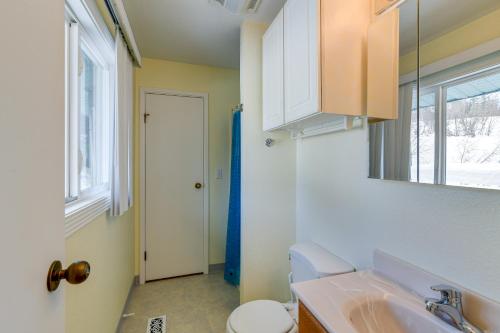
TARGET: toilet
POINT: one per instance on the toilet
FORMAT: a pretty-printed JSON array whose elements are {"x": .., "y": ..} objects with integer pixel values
[{"x": 308, "y": 261}]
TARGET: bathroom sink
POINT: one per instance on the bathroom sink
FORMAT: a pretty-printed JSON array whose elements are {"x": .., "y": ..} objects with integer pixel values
[
  {"x": 389, "y": 315},
  {"x": 365, "y": 302}
]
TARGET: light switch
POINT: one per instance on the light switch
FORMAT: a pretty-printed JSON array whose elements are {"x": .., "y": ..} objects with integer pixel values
[{"x": 219, "y": 173}]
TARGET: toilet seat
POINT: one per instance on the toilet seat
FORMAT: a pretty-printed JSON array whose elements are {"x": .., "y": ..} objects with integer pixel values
[{"x": 261, "y": 316}]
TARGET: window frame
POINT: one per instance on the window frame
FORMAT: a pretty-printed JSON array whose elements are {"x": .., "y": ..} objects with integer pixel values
[
  {"x": 86, "y": 32},
  {"x": 441, "y": 102},
  {"x": 104, "y": 126}
]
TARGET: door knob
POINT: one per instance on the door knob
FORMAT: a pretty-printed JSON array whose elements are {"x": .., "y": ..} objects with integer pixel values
[
  {"x": 198, "y": 186},
  {"x": 76, "y": 273}
]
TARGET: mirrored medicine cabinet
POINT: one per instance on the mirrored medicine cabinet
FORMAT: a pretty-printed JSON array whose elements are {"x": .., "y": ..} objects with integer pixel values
[{"x": 448, "y": 126}]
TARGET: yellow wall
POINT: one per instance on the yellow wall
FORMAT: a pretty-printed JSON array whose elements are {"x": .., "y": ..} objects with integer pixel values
[
  {"x": 470, "y": 35},
  {"x": 108, "y": 245},
  {"x": 222, "y": 86}
]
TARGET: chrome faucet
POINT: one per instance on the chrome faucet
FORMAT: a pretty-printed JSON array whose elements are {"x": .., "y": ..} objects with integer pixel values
[{"x": 449, "y": 308}]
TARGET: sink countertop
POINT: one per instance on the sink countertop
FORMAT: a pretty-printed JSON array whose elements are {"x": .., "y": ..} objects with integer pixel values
[{"x": 335, "y": 300}]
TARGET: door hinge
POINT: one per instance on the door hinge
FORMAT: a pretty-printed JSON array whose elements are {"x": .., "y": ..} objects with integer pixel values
[
  {"x": 145, "y": 256},
  {"x": 146, "y": 115}
]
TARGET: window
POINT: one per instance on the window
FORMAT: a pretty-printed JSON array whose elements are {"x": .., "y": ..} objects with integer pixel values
[
  {"x": 458, "y": 132},
  {"x": 423, "y": 138},
  {"x": 88, "y": 110}
]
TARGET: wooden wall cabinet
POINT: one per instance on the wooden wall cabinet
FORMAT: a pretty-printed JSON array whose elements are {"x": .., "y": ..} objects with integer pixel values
[
  {"x": 322, "y": 71},
  {"x": 344, "y": 30},
  {"x": 307, "y": 322},
  {"x": 383, "y": 66},
  {"x": 381, "y": 5}
]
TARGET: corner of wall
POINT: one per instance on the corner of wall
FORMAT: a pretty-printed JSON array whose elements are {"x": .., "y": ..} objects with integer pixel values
[{"x": 268, "y": 185}]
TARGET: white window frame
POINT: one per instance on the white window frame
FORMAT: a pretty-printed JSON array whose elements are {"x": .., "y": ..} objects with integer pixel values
[
  {"x": 440, "y": 91},
  {"x": 85, "y": 28}
]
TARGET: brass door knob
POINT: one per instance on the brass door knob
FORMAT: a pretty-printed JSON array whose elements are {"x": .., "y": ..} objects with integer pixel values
[
  {"x": 198, "y": 186},
  {"x": 76, "y": 273}
]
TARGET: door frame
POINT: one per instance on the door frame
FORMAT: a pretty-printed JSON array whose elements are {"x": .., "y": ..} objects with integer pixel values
[{"x": 206, "y": 192}]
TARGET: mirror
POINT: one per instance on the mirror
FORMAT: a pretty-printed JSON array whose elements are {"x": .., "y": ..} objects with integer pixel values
[{"x": 451, "y": 134}]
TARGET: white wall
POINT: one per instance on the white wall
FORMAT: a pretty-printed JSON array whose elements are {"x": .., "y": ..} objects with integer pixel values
[
  {"x": 452, "y": 232},
  {"x": 268, "y": 185}
]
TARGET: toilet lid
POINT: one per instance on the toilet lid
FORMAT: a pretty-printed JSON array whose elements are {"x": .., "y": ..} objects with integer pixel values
[{"x": 262, "y": 317}]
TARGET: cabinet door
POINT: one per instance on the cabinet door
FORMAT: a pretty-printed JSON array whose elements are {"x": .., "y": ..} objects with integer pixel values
[
  {"x": 383, "y": 66},
  {"x": 344, "y": 27},
  {"x": 307, "y": 322},
  {"x": 301, "y": 58},
  {"x": 381, "y": 5},
  {"x": 272, "y": 75}
]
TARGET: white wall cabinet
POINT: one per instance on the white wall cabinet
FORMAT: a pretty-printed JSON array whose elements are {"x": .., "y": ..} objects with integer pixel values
[
  {"x": 301, "y": 59},
  {"x": 272, "y": 75},
  {"x": 321, "y": 74}
]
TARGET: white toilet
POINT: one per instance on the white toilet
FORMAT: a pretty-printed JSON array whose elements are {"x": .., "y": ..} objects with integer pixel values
[{"x": 309, "y": 261}]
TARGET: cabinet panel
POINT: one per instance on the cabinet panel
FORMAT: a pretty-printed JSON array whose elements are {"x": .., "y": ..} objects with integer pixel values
[
  {"x": 301, "y": 22},
  {"x": 381, "y": 5},
  {"x": 272, "y": 75},
  {"x": 383, "y": 66},
  {"x": 344, "y": 28},
  {"x": 307, "y": 322}
]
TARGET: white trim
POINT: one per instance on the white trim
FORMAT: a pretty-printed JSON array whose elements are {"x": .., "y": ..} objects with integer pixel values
[
  {"x": 73, "y": 84},
  {"x": 206, "y": 203},
  {"x": 89, "y": 17},
  {"x": 390, "y": 7},
  {"x": 121, "y": 15},
  {"x": 82, "y": 212},
  {"x": 343, "y": 124},
  {"x": 454, "y": 60}
]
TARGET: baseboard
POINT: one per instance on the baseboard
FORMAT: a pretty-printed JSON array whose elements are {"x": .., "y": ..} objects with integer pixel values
[
  {"x": 216, "y": 268},
  {"x": 135, "y": 282}
]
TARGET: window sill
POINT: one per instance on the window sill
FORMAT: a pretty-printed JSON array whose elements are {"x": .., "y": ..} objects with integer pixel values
[{"x": 82, "y": 212}]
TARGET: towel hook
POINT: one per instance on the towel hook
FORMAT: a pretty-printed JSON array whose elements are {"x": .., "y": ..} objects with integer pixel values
[{"x": 269, "y": 142}]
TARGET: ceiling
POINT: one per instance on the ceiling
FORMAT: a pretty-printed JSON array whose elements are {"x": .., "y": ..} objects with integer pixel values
[
  {"x": 439, "y": 17},
  {"x": 192, "y": 31},
  {"x": 202, "y": 32}
]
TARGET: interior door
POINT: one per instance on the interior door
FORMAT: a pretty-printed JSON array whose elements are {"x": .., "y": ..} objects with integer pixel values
[
  {"x": 174, "y": 186},
  {"x": 32, "y": 164}
]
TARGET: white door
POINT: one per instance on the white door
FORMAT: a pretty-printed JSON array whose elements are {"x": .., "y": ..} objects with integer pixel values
[
  {"x": 31, "y": 164},
  {"x": 272, "y": 75},
  {"x": 302, "y": 48},
  {"x": 174, "y": 202}
]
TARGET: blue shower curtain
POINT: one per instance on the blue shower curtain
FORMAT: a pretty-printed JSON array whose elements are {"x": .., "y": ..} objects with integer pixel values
[{"x": 232, "y": 267}]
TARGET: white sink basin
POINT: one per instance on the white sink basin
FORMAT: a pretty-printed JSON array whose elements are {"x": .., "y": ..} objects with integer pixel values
[
  {"x": 390, "y": 316},
  {"x": 363, "y": 302}
]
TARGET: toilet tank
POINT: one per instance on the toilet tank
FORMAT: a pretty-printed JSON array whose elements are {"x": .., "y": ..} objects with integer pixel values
[{"x": 310, "y": 261}]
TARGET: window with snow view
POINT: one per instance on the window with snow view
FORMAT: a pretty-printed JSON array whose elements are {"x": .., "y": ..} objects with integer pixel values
[{"x": 455, "y": 136}]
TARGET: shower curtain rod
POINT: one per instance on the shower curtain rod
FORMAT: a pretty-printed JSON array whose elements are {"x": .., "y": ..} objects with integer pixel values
[{"x": 238, "y": 107}]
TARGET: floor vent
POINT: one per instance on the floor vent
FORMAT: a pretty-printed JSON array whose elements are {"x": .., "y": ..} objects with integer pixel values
[{"x": 157, "y": 325}]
